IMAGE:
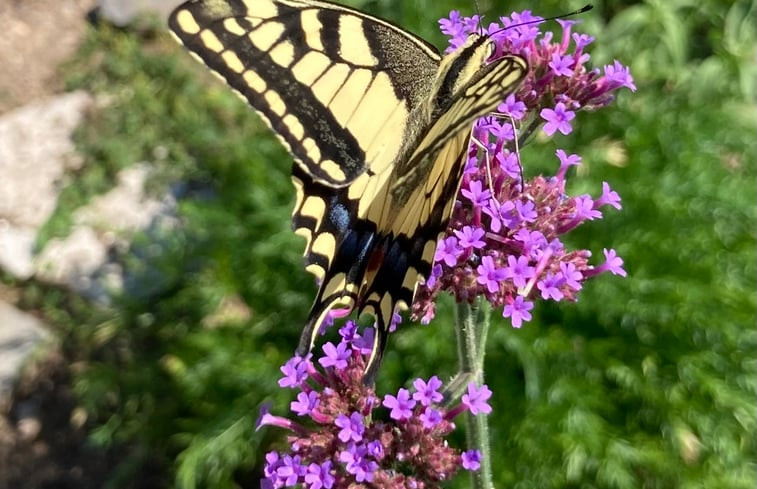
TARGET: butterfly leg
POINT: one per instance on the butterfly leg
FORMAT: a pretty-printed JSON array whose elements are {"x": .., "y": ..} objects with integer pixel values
[
  {"x": 481, "y": 146},
  {"x": 509, "y": 118}
]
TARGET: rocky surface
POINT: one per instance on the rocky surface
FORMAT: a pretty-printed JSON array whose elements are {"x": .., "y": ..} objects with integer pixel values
[
  {"x": 20, "y": 335},
  {"x": 35, "y": 151},
  {"x": 122, "y": 12},
  {"x": 37, "y": 36}
]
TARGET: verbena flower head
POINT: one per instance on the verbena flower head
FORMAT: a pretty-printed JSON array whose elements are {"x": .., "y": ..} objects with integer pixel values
[
  {"x": 503, "y": 241},
  {"x": 352, "y": 437}
]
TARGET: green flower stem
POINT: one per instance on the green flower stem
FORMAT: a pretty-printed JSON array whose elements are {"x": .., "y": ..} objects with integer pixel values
[{"x": 471, "y": 328}]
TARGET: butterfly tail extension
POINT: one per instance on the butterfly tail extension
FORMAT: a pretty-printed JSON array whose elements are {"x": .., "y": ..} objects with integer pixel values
[
  {"x": 340, "y": 286},
  {"x": 377, "y": 353},
  {"x": 389, "y": 284}
]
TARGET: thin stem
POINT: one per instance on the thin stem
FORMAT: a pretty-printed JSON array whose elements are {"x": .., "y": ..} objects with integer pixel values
[{"x": 471, "y": 328}]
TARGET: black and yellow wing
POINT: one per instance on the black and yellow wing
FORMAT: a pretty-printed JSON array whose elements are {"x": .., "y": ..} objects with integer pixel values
[
  {"x": 377, "y": 123},
  {"x": 335, "y": 85}
]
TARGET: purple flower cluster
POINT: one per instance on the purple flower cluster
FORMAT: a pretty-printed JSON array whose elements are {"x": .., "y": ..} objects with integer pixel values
[
  {"x": 503, "y": 241},
  {"x": 354, "y": 438}
]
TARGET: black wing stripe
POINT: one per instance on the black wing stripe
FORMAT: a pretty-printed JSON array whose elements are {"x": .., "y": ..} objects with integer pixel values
[{"x": 329, "y": 40}]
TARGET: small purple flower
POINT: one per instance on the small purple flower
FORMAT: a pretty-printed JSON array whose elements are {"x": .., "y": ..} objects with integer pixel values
[
  {"x": 510, "y": 215},
  {"x": 290, "y": 471},
  {"x": 471, "y": 459},
  {"x": 489, "y": 274},
  {"x": 561, "y": 65},
  {"x": 526, "y": 211},
  {"x": 571, "y": 276},
  {"x": 517, "y": 311},
  {"x": 454, "y": 28},
  {"x": 618, "y": 75},
  {"x": 476, "y": 194},
  {"x": 272, "y": 461},
  {"x": 512, "y": 107},
  {"x": 519, "y": 270},
  {"x": 498, "y": 212},
  {"x": 395, "y": 321},
  {"x": 357, "y": 465},
  {"x": 305, "y": 403},
  {"x": 582, "y": 40},
  {"x": 532, "y": 240},
  {"x": 352, "y": 427},
  {"x": 566, "y": 161},
  {"x": 501, "y": 130},
  {"x": 363, "y": 343},
  {"x": 470, "y": 237},
  {"x": 448, "y": 251},
  {"x": 363, "y": 470},
  {"x": 558, "y": 119},
  {"x": 375, "y": 449},
  {"x": 295, "y": 372},
  {"x": 509, "y": 163},
  {"x": 401, "y": 406},
  {"x": 349, "y": 332},
  {"x": 613, "y": 263},
  {"x": 436, "y": 272},
  {"x": 585, "y": 208},
  {"x": 430, "y": 418},
  {"x": 609, "y": 197},
  {"x": 265, "y": 418},
  {"x": 550, "y": 287},
  {"x": 427, "y": 393},
  {"x": 475, "y": 399},
  {"x": 336, "y": 356},
  {"x": 319, "y": 476}
]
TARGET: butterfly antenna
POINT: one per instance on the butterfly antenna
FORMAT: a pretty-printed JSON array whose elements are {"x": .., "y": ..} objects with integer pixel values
[
  {"x": 583, "y": 9},
  {"x": 479, "y": 17}
]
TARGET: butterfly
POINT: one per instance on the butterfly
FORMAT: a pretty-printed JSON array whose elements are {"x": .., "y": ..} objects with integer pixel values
[{"x": 377, "y": 122}]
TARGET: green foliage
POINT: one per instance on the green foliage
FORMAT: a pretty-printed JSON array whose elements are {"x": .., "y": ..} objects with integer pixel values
[{"x": 647, "y": 381}]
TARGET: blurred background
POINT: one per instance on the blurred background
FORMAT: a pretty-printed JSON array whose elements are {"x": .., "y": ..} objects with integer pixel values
[{"x": 150, "y": 285}]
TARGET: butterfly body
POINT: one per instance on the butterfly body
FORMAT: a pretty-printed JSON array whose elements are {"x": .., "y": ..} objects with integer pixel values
[{"x": 377, "y": 122}]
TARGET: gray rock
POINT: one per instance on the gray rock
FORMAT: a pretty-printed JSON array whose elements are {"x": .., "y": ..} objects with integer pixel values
[
  {"x": 122, "y": 12},
  {"x": 81, "y": 260},
  {"x": 20, "y": 335},
  {"x": 35, "y": 151}
]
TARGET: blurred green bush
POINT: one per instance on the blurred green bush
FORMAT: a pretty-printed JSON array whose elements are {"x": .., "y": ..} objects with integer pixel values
[{"x": 647, "y": 381}]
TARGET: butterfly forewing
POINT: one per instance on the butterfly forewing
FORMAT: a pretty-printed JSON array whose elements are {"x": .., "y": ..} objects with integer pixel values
[{"x": 319, "y": 74}]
